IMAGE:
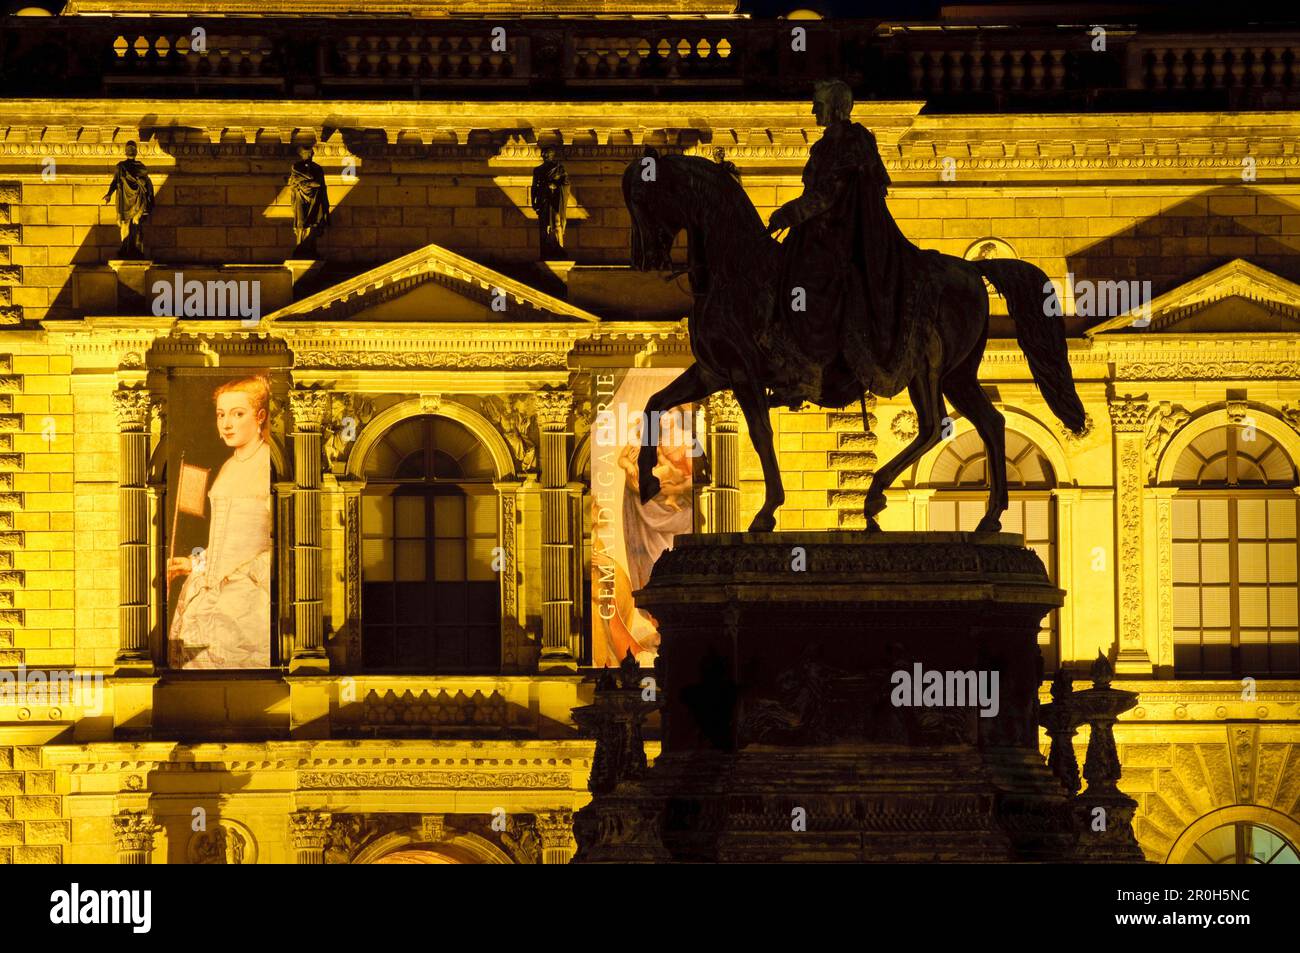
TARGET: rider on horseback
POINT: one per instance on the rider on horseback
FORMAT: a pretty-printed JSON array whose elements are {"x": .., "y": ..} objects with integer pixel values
[{"x": 857, "y": 298}]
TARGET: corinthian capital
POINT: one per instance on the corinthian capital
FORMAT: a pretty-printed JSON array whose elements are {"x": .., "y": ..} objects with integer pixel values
[
  {"x": 310, "y": 830},
  {"x": 723, "y": 410},
  {"x": 132, "y": 408},
  {"x": 310, "y": 408},
  {"x": 134, "y": 831},
  {"x": 1128, "y": 414},
  {"x": 553, "y": 408}
]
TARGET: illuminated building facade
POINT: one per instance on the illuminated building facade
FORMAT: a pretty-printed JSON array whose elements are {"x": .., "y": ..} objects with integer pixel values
[{"x": 431, "y": 397}]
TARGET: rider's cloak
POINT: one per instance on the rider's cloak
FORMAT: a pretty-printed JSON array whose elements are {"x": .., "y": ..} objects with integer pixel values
[{"x": 858, "y": 273}]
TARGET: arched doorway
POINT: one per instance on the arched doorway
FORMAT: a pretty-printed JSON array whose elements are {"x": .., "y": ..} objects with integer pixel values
[{"x": 430, "y": 580}]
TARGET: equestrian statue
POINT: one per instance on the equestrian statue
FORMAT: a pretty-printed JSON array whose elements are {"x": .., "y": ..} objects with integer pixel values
[{"x": 845, "y": 306}]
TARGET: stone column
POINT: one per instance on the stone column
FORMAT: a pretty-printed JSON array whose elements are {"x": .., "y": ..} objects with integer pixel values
[
  {"x": 309, "y": 832},
  {"x": 309, "y": 409},
  {"x": 578, "y": 498},
  {"x": 557, "y": 548},
  {"x": 723, "y": 414},
  {"x": 1066, "y": 498},
  {"x": 133, "y": 834},
  {"x": 133, "y": 409},
  {"x": 555, "y": 829},
  {"x": 1164, "y": 502},
  {"x": 919, "y": 497},
  {"x": 1128, "y": 416}
]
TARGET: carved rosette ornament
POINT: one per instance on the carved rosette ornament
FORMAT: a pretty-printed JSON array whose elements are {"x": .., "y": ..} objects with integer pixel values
[
  {"x": 309, "y": 409},
  {"x": 904, "y": 425},
  {"x": 133, "y": 836},
  {"x": 132, "y": 408},
  {"x": 309, "y": 832}
]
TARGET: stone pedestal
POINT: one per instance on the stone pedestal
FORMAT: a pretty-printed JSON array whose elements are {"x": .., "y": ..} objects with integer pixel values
[{"x": 791, "y": 731}]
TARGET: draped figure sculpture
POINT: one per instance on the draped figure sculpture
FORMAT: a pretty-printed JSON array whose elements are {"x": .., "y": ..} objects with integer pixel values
[
  {"x": 311, "y": 203},
  {"x": 548, "y": 196},
  {"x": 134, "y": 190}
]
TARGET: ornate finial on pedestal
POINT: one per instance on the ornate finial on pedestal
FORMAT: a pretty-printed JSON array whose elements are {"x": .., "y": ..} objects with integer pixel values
[
  {"x": 1102, "y": 671},
  {"x": 621, "y": 824},
  {"x": 1103, "y": 813}
]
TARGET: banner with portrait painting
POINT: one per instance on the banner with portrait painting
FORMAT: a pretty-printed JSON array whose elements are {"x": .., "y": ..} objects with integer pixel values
[
  {"x": 219, "y": 519},
  {"x": 626, "y": 535}
]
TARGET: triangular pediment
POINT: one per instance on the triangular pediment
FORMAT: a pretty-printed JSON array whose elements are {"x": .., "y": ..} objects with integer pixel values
[
  {"x": 1237, "y": 297},
  {"x": 432, "y": 285}
]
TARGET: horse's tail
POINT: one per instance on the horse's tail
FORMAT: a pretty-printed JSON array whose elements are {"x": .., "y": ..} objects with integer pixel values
[{"x": 1040, "y": 331}]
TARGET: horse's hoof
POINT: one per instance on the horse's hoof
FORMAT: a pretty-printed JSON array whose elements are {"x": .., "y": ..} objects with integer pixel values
[
  {"x": 763, "y": 524},
  {"x": 649, "y": 488},
  {"x": 987, "y": 525},
  {"x": 872, "y": 525}
]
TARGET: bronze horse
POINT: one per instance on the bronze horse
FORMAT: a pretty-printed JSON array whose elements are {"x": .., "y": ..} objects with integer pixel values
[{"x": 741, "y": 343}]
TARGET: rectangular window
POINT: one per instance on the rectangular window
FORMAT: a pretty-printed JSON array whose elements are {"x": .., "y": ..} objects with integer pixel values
[
  {"x": 1234, "y": 563},
  {"x": 1031, "y": 516}
]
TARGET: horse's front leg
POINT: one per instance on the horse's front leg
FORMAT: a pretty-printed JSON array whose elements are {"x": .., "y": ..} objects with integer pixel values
[
  {"x": 690, "y": 387},
  {"x": 753, "y": 404}
]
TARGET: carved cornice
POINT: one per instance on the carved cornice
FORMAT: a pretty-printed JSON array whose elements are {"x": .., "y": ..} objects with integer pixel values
[
  {"x": 134, "y": 831},
  {"x": 309, "y": 408},
  {"x": 133, "y": 409},
  {"x": 1128, "y": 414},
  {"x": 431, "y": 360},
  {"x": 310, "y": 830},
  {"x": 433, "y": 780}
]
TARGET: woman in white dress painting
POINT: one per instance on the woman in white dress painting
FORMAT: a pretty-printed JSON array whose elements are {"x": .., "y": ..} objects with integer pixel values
[{"x": 223, "y": 612}]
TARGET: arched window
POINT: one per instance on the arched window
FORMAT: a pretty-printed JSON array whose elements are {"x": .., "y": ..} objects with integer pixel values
[
  {"x": 960, "y": 477},
  {"x": 430, "y": 596},
  {"x": 1234, "y": 540},
  {"x": 1242, "y": 843}
]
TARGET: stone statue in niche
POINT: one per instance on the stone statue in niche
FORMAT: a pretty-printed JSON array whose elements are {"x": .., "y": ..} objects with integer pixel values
[
  {"x": 311, "y": 203},
  {"x": 549, "y": 198},
  {"x": 134, "y": 190}
]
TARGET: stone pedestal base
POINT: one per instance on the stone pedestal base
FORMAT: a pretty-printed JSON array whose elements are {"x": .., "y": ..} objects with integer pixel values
[{"x": 793, "y": 729}]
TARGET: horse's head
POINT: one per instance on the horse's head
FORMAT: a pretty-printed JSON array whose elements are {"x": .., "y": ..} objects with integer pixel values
[
  {"x": 668, "y": 193},
  {"x": 656, "y": 221}
]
